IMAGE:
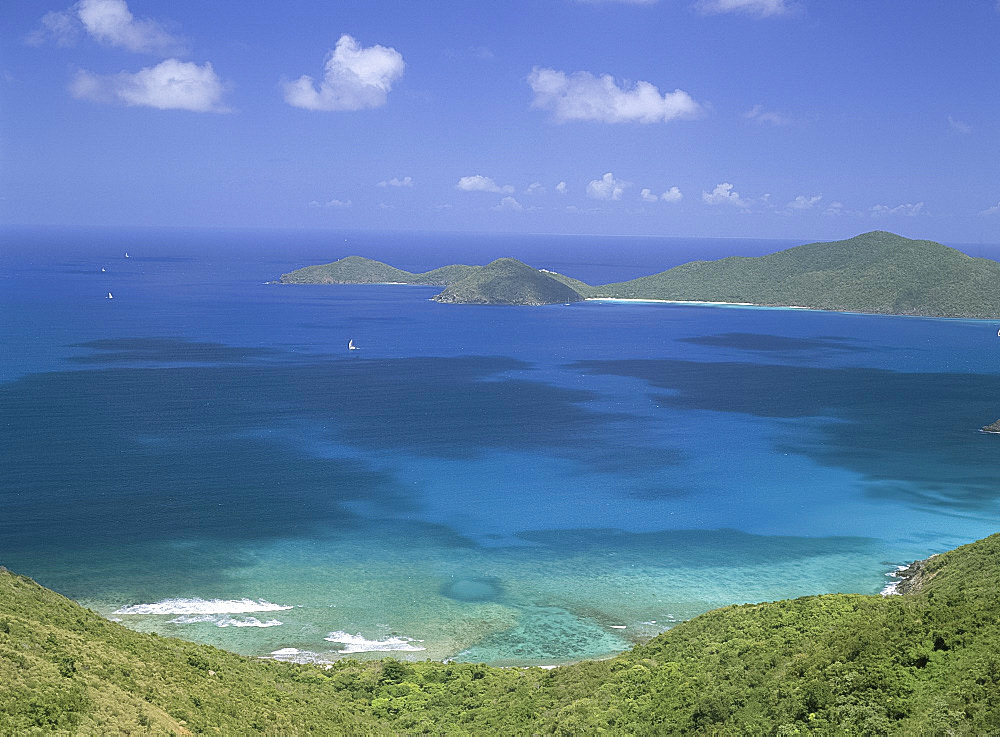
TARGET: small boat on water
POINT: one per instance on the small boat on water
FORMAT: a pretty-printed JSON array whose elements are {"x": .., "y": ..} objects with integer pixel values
[
  {"x": 110, "y": 295},
  {"x": 351, "y": 346},
  {"x": 126, "y": 254},
  {"x": 103, "y": 269}
]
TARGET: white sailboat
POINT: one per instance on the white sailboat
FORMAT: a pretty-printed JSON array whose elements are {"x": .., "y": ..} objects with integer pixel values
[
  {"x": 126, "y": 254},
  {"x": 103, "y": 269},
  {"x": 110, "y": 295},
  {"x": 351, "y": 346}
]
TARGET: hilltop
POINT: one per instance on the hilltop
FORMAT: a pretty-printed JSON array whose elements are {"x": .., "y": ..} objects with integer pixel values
[
  {"x": 927, "y": 662},
  {"x": 875, "y": 272},
  {"x": 360, "y": 270},
  {"x": 508, "y": 281},
  {"x": 505, "y": 281}
]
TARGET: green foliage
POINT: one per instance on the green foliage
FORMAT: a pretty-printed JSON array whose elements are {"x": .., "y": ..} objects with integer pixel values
[
  {"x": 508, "y": 281},
  {"x": 924, "y": 663},
  {"x": 874, "y": 272}
]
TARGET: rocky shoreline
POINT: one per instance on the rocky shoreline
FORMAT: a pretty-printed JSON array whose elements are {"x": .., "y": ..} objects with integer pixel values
[{"x": 911, "y": 579}]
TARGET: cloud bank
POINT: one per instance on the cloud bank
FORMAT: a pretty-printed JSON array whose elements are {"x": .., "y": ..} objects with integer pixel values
[
  {"x": 354, "y": 78},
  {"x": 109, "y": 22},
  {"x": 606, "y": 188},
  {"x": 759, "y": 8},
  {"x": 584, "y": 96},
  {"x": 170, "y": 85},
  {"x": 479, "y": 183},
  {"x": 908, "y": 209},
  {"x": 396, "y": 182},
  {"x": 671, "y": 195},
  {"x": 723, "y": 194}
]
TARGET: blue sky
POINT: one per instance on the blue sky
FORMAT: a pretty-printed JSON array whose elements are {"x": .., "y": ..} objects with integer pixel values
[{"x": 754, "y": 118}]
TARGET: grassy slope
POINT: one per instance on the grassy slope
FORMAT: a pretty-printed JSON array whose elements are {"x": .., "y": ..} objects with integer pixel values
[
  {"x": 508, "y": 281},
  {"x": 928, "y": 662},
  {"x": 874, "y": 272}
]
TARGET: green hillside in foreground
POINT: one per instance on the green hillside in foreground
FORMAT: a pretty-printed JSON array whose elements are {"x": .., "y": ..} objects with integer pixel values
[
  {"x": 875, "y": 272},
  {"x": 507, "y": 281},
  {"x": 927, "y": 662}
]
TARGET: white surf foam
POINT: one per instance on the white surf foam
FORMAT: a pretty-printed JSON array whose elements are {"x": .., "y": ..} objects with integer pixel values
[
  {"x": 248, "y": 622},
  {"x": 192, "y": 619},
  {"x": 358, "y": 644},
  {"x": 294, "y": 655},
  {"x": 221, "y": 620},
  {"x": 203, "y": 606},
  {"x": 892, "y": 588}
]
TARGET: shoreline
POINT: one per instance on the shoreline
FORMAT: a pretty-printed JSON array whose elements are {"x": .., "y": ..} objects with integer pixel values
[
  {"x": 708, "y": 303},
  {"x": 705, "y": 303}
]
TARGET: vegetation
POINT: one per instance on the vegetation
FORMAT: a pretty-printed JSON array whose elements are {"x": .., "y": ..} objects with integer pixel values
[
  {"x": 360, "y": 270},
  {"x": 508, "y": 281},
  {"x": 927, "y": 662},
  {"x": 875, "y": 272},
  {"x": 505, "y": 281},
  {"x": 350, "y": 270}
]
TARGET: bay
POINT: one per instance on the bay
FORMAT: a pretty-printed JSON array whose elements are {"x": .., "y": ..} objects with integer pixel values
[{"x": 202, "y": 457}]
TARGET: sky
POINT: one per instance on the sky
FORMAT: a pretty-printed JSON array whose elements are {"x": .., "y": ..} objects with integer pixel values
[{"x": 803, "y": 119}]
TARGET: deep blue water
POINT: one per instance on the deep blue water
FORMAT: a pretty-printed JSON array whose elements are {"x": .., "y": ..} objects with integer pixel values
[{"x": 201, "y": 455}]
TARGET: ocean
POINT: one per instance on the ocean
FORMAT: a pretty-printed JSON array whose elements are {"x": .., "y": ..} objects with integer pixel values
[{"x": 201, "y": 456}]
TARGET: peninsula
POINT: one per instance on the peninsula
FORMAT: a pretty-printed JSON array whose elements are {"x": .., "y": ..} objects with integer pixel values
[
  {"x": 922, "y": 662},
  {"x": 875, "y": 272}
]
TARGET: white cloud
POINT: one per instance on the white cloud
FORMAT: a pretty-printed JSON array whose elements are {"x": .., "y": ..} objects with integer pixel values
[
  {"x": 396, "y": 182},
  {"x": 509, "y": 204},
  {"x": 803, "y": 203},
  {"x": 958, "y": 126},
  {"x": 535, "y": 188},
  {"x": 834, "y": 209},
  {"x": 354, "y": 78},
  {"x": 561, "y": 187},
  {"x": 996, "y": 208},
  {"x": 759, "y": 114},
  {"x": 723, "y": 194},
  {"x": 339, "y": 204},
  {"x": 62, "y": 26},
  {"x": 761, "y": 8},
  {"x": 671, "y": 195},
  {"x": 907, "y": 209},
  {"x": 109, "y": 22},
  {"x": 170, "y": 85},
  {"x": 479, "y": 183},
  {"x": 583, "y": 96},
  {"x": 606, "y": 188}
]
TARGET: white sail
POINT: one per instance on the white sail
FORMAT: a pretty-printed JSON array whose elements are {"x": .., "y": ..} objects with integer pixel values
[
  {"x": 110, "y": 296},
  {"x": 351, "y": 346}
]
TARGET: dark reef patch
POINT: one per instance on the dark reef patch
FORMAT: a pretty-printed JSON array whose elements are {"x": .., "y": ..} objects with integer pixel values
[
  {"x": 765, "y": 343},
  {"x": 913, "y": 436},
  {"x": 166, "y": 350}
]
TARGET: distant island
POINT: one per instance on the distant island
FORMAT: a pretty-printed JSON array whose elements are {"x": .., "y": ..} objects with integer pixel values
[
  {"x": 923, "y": 662},
  {"x": 877, "y": 272}
]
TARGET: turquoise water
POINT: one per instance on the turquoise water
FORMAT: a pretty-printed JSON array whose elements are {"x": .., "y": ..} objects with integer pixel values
[{"x": 202, "y": 457}]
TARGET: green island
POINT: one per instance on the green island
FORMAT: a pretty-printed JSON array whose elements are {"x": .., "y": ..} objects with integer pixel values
[
  {"x": 926, "y": 661},
  {"x": 877, "y": 272}
]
